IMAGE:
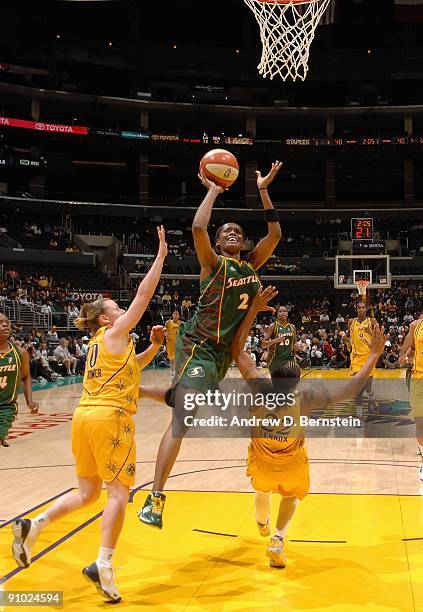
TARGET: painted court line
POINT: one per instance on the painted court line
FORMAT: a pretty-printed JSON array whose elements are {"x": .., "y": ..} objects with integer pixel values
[
  {"x": 47, "y": 501},
  {"x": 229, "y": 535},
  {"x": 321, "y": 541}
]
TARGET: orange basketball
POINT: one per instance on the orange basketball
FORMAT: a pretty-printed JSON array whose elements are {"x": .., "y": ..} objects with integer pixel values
[{"x": 220, "y": 166}]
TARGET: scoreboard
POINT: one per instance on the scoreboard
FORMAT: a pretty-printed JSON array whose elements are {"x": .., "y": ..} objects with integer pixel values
[{"x": 361, "y": 228}]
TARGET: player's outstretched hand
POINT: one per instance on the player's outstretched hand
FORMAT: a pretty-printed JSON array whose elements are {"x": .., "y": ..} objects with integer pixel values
[
  {"x": 157, "y": 335},
  {"x": 263, "y": 297},
  {"x": 161, "y": 233},
  {"x": 208, "y": 184},
  {"x": 377, "y": 343},
  {"x": 264, "y": 181},
  {"x": 33, "y": 407}
]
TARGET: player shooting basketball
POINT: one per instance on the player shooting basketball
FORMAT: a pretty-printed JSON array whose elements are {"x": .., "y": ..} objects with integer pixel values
[{"x": 203, "y": 353}]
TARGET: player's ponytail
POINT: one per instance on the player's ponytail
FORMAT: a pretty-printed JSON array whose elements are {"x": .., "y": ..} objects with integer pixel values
[{"x": 88, "y": 316}]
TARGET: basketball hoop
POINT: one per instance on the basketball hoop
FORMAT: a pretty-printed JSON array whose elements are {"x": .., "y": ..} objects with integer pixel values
[
  {"x": 287, "y": 29},
  {"x": 362, "y": 286}
]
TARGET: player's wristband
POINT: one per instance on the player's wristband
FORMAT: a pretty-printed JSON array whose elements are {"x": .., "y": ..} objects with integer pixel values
[
  {"x": 262, "y": 188},
  {"x": 270, "y": 215}
]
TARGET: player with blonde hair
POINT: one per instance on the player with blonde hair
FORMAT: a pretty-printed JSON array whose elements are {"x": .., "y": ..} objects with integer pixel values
[{"x": 103, "y": 430}]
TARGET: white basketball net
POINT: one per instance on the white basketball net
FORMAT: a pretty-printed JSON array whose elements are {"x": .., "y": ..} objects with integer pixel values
[
  {"x": 286, "y": 32},
  {"x": 362, "y": 286}
]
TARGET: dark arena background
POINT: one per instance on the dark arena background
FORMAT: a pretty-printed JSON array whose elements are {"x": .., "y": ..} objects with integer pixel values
[{"x": 106, "y": 109}]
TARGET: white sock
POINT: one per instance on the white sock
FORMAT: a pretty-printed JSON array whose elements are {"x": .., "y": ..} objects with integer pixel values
[
  {"x": 262, "y": 506},
  {"x": 105, "y": 556},
  {"x": 280, "y": 533},
  {"x": 41, "y": 521}
]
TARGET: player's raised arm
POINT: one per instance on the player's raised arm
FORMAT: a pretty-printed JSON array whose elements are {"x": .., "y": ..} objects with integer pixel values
[
  {"x": 156, "y": 338},
  {"x": 325, "y": 395},
  {"x": 260, "y": 302},
  {"x": 145, "y": 292},
  {"x": 205, "y": 252},
  {"x": 265, "y": 247}
]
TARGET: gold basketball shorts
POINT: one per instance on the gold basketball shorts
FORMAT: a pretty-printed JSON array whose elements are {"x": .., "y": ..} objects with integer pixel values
[
  {"x": 289, "y": 478},
  {"x": 103, "y": 443}
]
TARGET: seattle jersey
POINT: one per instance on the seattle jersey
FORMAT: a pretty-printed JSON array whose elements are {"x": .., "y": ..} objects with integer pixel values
[
  {"x": 110, "y": 380},
  {"x": 226, "y": 296},
  {"x": 10, "y": 375},
  {"x": 283, "y": 351}
]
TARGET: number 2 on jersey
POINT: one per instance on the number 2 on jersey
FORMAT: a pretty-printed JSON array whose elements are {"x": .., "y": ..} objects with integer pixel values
[{"x": 244, "y": 297}]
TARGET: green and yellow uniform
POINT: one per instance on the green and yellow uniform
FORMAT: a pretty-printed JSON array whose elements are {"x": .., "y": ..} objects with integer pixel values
[
  {"x": 283, "y": 351},
  {"x": 416, "y": 379},
  {"x": 10, "y": 377},
  {"x": 203, "y": 345}
]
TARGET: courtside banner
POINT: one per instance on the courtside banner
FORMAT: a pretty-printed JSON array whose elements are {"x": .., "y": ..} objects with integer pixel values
[{"x": 40, "y": 126}]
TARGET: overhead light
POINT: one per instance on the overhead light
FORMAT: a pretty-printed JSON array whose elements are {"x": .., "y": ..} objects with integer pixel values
[{"x": 110, "y": 43}]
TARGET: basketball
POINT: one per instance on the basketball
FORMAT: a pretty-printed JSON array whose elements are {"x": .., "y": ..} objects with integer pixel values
[{"x": 220, "y": 166}]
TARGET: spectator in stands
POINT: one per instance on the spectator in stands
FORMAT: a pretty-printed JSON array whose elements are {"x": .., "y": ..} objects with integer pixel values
[
  {"x": 84, "y": 344},
  {"x": 52, "y": 333},
  {"x": 140, "y": 265},
  {"x": 340, "y": 358},
  {"x": 185, "y": 306},
  {"x": 316, "y": 353},
  {"x": 390, "y": 358},
  {"x": 408, "y": 317},
  {"x": 63, "y": 356},
  {"x": 75, "y": 351},
  {"x": 73, "y": 311},
  {"x": 324, "y": 317},
  {"x": 161, "y": 360},
  {"x": 43, "y": 366},
  {"x": 328, "y": 349},
  {"x": 45, "y": 308}
]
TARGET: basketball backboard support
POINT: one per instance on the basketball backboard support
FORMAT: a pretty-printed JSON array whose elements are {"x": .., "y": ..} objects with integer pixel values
[{"x": 351, "y": 268}]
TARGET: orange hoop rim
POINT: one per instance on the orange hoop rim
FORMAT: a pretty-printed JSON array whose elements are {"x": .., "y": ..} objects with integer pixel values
[
  {"x": 287, "y": 1},
  {"x": 362, "y": 282}
]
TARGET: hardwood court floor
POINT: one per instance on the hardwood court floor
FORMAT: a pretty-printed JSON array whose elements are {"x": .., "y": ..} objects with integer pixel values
[{"x": 356, "y": 541}]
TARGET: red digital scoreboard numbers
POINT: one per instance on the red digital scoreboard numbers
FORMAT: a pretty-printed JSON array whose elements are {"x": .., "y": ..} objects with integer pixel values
[{"x": 362, "y": 229}]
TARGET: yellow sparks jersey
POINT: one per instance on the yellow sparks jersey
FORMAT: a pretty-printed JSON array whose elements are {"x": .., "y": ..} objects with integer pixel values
[
  {"x": 110, "y": 380},
  {"x": 172, "y": 329},
  {"x": 360, "y": 336},
  {"x": 279, "y": 440},
  {"x": 417, "y": 371}
]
